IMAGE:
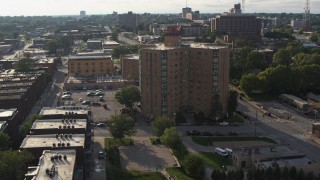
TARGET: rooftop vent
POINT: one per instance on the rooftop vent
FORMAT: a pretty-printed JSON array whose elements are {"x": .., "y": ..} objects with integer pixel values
[
  {"x": 54, "y": 145},
  {"x": 68, "y": 144},
  {"x": 63, "y": 144},
  {"x": 72, "y": 127},
  {"x": 70, "y": 135},
  {"x": 66, "y": 135},
  {"x": 65, "y": 157},
  {"x": 57, "y": 135}
]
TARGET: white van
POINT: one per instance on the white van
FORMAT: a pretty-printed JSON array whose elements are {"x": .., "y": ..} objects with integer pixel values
[
  {"x": 220, "y": 151},
  {"x": 229, "y": 151}
]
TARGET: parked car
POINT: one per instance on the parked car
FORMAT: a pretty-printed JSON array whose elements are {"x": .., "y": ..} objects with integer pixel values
[
  {"x": 193, "y": 133},
  {"x": 85, "y": 102},
  {"x": 224, "y": 123},
  {"x": 95, "y": 104},
  {"x": 232, "y": 133},
  {"x": 101, "y": 98},
  {"x": 101, "y": 155},
  {"x": 66, "y": 92},
  {"x": 217, "y": 133},
  {"x": 101, "y": 125},
  {"x": 66, "y": 96},
  {"x": 90, "y": 93},
  {"x": 206, "y": 133}
]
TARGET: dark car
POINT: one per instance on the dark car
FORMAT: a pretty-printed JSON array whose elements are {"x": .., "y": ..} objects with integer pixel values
[
  {"x": 101, "y": 155},
  {"x": 193, "y": 133},
  {"x": 232, "y": 133},
  {"x": 206, "y": 133},
  {"x": 218, "y": 133}
]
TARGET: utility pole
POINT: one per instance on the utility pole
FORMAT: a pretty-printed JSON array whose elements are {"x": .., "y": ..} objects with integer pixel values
[{"x": 255, "y": 124}]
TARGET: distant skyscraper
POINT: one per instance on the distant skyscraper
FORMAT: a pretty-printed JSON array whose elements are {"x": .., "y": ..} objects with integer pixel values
[
  {"x": 82, "y": 13},
  {"x": 236, "y": 9},
  {"x": 185, "y": 11},
  {"x": 130, "y": 21}
]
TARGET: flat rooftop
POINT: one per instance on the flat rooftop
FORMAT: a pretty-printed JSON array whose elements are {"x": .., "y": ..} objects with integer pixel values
[
  {"x": 192, "y": 45},
  {"x": 53, "y": 140},
  {"x": 3, "y": 124},
  {"x": 59, "y": 163},
  {"x": 98, "y": 79},
  {"x": 59, "y": 124},
  {"x": 89, "y": 57},
  {"x": 64, "y": 110},
  {"x": 131, "y": 56},
  {"x": 7, "y": 113}
]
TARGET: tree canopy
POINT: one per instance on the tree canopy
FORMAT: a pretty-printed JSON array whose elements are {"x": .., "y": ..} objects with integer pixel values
[
  {"x": 4, "y": 141},
  {"x": 128, "y": 95},
  {"x": 14, "y": 164},
  {"x": 171, "y": 137},
  {"x": 116, "y": 52},
  {"x": 194, "y": 166},
  {"x": 121, "y": 125},
  {"x": 24, "y": 65},
  {"x": 282, "y": 57},
  {"x": 160, "y": 124}
]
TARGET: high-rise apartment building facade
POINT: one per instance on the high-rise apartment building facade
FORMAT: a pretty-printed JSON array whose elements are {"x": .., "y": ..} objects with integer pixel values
[
  {"x": 130, "y": 21},
  {"x": 237, "y": 26},
  {"x": 175, "y": 78}
]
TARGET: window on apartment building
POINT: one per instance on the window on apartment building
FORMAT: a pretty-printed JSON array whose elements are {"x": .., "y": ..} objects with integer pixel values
[
  {"x": 87, "y": 70},
  {"x": 78, "y": 63},
  {"x": 86, "y": 64}
]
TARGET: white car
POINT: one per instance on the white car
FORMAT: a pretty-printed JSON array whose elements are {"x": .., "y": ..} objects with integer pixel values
[
  {"x": 224, "y": 123},
  {"x": 66, "y": 96}
]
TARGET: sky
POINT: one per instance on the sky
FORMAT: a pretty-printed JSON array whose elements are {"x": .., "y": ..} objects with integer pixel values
[{"x": 73, "y": 7}]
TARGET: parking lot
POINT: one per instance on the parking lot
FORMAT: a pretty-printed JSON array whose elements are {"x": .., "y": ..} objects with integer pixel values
[{"x": 101, "y": 110}]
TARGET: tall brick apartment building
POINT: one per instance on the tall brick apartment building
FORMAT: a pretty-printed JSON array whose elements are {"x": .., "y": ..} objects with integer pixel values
[{"x": 178, "y": 77}]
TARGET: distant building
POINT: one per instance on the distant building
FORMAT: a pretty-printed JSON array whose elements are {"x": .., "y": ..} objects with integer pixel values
[
  {"x": 21, "y": 90},
  {"x": 9, "y": 121},
  {"x": 130, "y": 67},
  {"x": 130, "y": 21},
  {"x": 237, "y": 26},
  {"x": 185, "y": 11},
  {"x": 297, "y": 23},
  {"x": 176, "y": 77},
  {"x": 110, "y": 44},
  {"x": 94, "y": 44},
  {"x": 193, "y": 15},
  {"x": 36, "y": 144},
  {"x": 82, "y": 13},
  {"x": 66, "y": 112},
  {"x": 300, "y": 104},
  {"x": 59, "y": 126},
  {"x": 90, "y": 65},
  {"x": 236, "y": 9},
  {"x": 56, "y": 163},
  {"x": 193, "y": 30},
  {"x": 40, "y": 42}
]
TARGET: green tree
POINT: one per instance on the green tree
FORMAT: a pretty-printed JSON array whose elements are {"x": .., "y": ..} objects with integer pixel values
[
  {"x": 293, "y": 173},
  {"x": 232, "y": 101},
  {"x": 116, "y": 52},
  {"x": 128, "y": 95},
  {"x": 24, "y": 65},
  {"x": 250, "y": 83},
  {"x": 194, "y": 166},
  {"x": 171, "y": 138},
  {"x": 160, "y": 124},
  {"x": 14, "y": 164},
  {"x": 179, "y": 118},
  {"x": 309, "y": 75},
  {"x": 4, "y": 141},
  {"x": 26, "y": 125},
  {"x": 280, "y": 79},
  {"x": 314, "y": 37},
  {"x": 255, "y": 60},
  {"x": 282, "y": 57},
  {"x": 121, "y": 125}
]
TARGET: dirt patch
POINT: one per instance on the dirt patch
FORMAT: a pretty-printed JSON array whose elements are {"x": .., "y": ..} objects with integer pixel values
[{"x": 144, "y": 156}]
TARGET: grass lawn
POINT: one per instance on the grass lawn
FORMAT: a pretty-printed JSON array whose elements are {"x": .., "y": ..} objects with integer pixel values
[
  {"x": 136, "y": 175},
  {"x": 235, "y": 119},
  {"x": 123, "y": 142},
  {"x": 214, "y": 160},
  {"x": 178, "y": 172},
  {"x": 207, "y": 140}
]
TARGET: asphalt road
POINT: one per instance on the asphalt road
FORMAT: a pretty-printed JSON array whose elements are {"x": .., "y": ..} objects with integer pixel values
[{"x": 285, "y": 132}]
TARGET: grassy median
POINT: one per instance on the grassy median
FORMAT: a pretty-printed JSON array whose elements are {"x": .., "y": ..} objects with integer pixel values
[{"x": 205, "y": 141}]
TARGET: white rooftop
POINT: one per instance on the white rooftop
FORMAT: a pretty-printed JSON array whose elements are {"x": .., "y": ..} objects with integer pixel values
[
  {"x": 64, "y": 110},
  {"x": 54, "y": 165},
  {"x": 59, "y": 124},
  {"x": 7, "y": 112},
  {"x": 53, "y": 140}
]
